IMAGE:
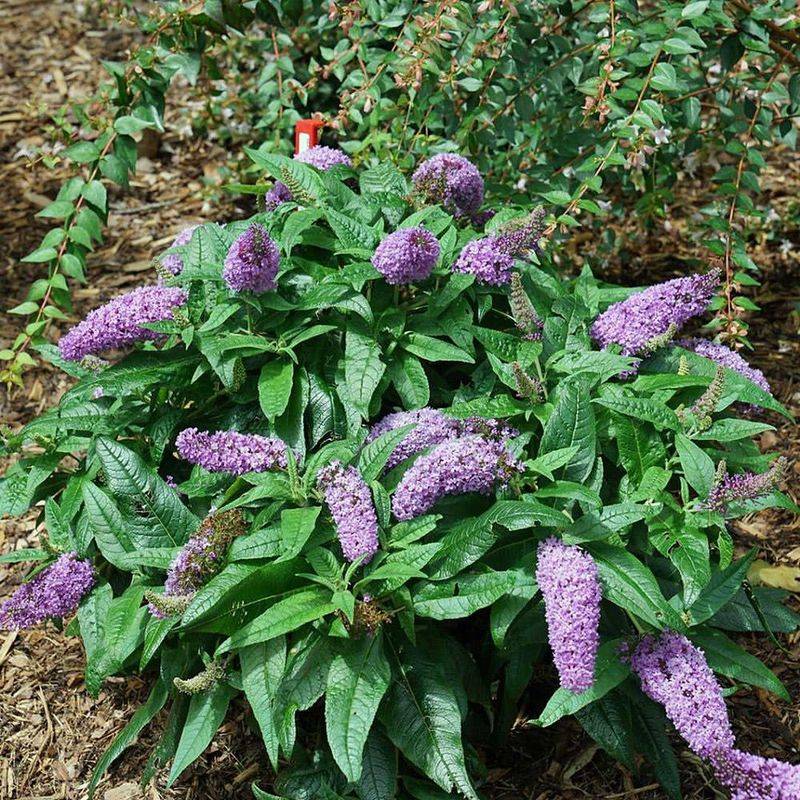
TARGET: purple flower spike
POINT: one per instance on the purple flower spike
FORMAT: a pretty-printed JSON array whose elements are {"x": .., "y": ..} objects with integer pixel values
[
  {"x": 252, "y": 262},
  {"x": 452, "y": 181},
  {"x": 720, "y": 354},
  {"x": 432, "y": 427},
  {"x": 569, "y": 583},
  {"x": 467, "y": 464},
  {"x": 54, "y": 592},
  {"x": 491, "y": 258},
  {"x": 118, "y": 323},
  {"x": 743, "y": 486},
  {"x": 634, "y": 323},
  {"x": 172, "y": 261},
  {"x": 406, "y": 256},
  {"x": 751, "y": 777},
  {"x": 200, "y": 559},
  {"x": 230, "y": 451},
  {"x": 278, "y": 194},
  {"x": 675, "y": 674},
  {"x": 350, "y": 502},
  {"x": 323, "y": 158},
  {"x": 487, "y": 260}
]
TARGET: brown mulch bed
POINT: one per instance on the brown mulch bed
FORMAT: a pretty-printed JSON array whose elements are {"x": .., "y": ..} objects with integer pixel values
[{"x": 51, "y": 731}]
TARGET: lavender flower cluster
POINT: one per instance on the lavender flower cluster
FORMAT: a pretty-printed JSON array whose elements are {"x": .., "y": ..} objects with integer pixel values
[
  {"x": 433, "y": 427},
  {"x": 491, "y": 258},
  {"x": 278, "y": 194},
  {"x": 742, "y": 486},
  {"x": 452, "y": 181},
  {"x": 252, "y": 261},
  {"x": 230, "y": 451},
  {"x": 751, "y": 777},
  {"x": 471, "y": 463},
  {"x": 406, "y": 256},
  {"x": 200, "y": 558},
  {"x": 675, "y": 673},
  {"x": 569, "y": 582},
  {"x": 172, "y": 262},
  {"x": 323, "y": 157},
  {"x": 119, "y": 322},
  {"x": 633, "y": 323},
  {"x": 54, "y": 592},
  {"x": 724, "y": 356},
  {"x": 350, "y": 502}
]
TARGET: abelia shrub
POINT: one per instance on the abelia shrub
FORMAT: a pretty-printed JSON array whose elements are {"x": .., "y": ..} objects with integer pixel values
[{"x": 368, "y": 453}]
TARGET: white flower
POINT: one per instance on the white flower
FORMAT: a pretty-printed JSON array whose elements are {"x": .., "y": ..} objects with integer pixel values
[
  {"x": 772, "y": 216},
  {"x": 786, "y": 247},
  {"x": 661, "y": 135}
]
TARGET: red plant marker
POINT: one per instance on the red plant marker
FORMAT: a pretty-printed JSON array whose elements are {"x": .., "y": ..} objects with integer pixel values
[{"x": 306, "y": 134}]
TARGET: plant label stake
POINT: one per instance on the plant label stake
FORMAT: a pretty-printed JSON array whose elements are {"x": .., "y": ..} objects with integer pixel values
[{"x": 306, "y": 134}]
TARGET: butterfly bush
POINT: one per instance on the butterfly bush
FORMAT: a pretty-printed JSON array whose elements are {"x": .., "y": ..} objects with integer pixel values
[
  {"x": 724, "y": 356},
  {"x": 452, "y": 181},
  {"x": 471, "y": 463},
  {"x": 634, "y": 323},
  {"x": 252, "y": 262},
  {"x": 569, "y": 583},
  {"x": 230, "y": 451},
  {"x": 406, "y": 256},
  {"x": 172, "y": 262},
  {"x": 56, "y": 591},
  {"x": 491, "y": 392},
  {"x": 350, "y": 502},
  {"x": 118, "y": 323}
]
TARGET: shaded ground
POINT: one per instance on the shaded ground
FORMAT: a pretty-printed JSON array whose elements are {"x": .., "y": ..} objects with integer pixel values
[{"x": 52, "y": 731}]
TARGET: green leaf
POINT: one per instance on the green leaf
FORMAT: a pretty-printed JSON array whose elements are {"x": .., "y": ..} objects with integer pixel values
[
  {"x": 363, "y": 368},
  {"x": 431, "y": 349},
  {"x": 652, "y": 741},
  {"x": 275, "y": 387},
  {"x": 697, "y": 465},
  {"x": 285, "y": 616},
  {"x": 357, "y": 682},
  {"x": 263, "y": 666},
  {"x": 423, "y": 719},
  {"x": 378, "y": 769},
  {"x": 410, "y": 381},
  {"x": 167, "y": 521},
  {"x": 641, "y": 408},
  {"x": 609, "y": 673},
  {"x": 727, "y": 658},
  {"x": 374, "y": 456},
  {"x": 722, "y": 587},
  {"x": 83, "y": 152},
  {"x": 628, "y": 583},
  {"x": 572, "y": 425},
  {"x": 107, "y": 525},
  {"x": 127, "y": 736},
  {"x": 206, "y": 713},
  {"x": 607, "y": 720},
  {"x": 297, "y": 524},
  {"x": 462, "y": 596},
  {"x": 111, "y": 629}
]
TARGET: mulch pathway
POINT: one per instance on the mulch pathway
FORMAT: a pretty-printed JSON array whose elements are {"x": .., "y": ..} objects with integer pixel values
[{"x": 53, "y": 732}]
